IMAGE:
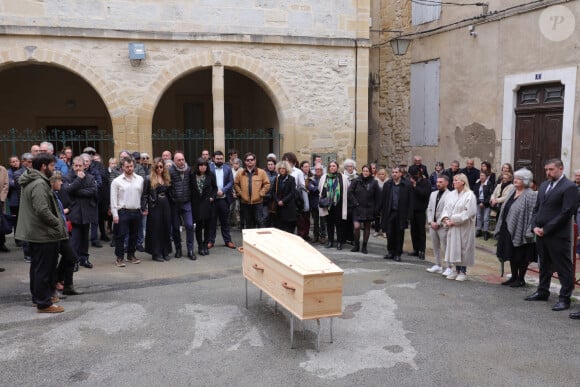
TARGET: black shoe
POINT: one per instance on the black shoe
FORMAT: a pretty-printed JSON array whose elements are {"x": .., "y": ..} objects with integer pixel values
[
  {"x": 191, "y": 256},
  {"x": 86, "y": 263},
  {"x": 561, "y": 305},
  {"x": 339, "y": 246},
  {"x": 105, "y": 238},
  {"x": 518, "y": 284},
  {"x": 421, "y": 255},
  {"x": 510, "y": 281},
  {"x": 71, "y": 291},
  {"x": 206, "y": 251},
  {"x": 4, "y": 249},
  {"x": 575, "y": 315},
  {"x": 364, "y": 249},
  {"x": 2, "y": 269},
  {"x": 201, "y": 251},
  {"x": 140, "y": 248},
  {"x": 478, "y": 233},
  {"x": 96, "y": 244},
  {"x": 537, "y": 297},
  {"x": 355, "y": 248},
  {"x": 329, "y": 244},
  {"x": 166, "y": 258},
  {"x": 414, "y": 254},
  {"x": 389, "y": 256},
  {"x": 76, "y": 267},
  {"x": 397, "y": 258},
  {"x": 158, "y": 258},
  {"x": 178, "y": 252},
  {"x": 485, "y": 235}
]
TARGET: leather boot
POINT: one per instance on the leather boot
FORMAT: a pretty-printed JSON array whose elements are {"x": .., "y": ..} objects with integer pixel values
[
  {"x": 364, "y": 248},
  {"x": 485, "y": 235},
  {"x": 178, "y": 252},
  {"x": 356, "y": 247},
  {"x": 71, "y": 291}
]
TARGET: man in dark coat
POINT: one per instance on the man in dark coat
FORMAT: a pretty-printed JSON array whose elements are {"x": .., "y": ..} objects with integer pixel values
[
  {"x": 451, "y": 172},
  {"x": 552, "y": 225},
  {"x": 395, "y": 210},
  {"x": 181, "y": 194},
  {"x": 420, "y": 192},
  {"x": 80, "y": 197},
  {"x": 471, "y": 172}
]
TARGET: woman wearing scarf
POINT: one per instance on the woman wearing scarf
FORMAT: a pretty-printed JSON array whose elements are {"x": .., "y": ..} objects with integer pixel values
[{"x": 334, "y": 185}]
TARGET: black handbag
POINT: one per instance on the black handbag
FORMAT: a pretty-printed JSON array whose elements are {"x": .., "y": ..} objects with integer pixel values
[
  {"x": 6, "y": 226},
  {"x": 324, "y": 202}
]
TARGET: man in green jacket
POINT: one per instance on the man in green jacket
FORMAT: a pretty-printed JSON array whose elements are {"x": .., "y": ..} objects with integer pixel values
[{"x": 43, "y": 227}]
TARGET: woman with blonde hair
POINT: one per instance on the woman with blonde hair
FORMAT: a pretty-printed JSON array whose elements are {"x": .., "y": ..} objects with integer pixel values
[
  {"x": 156, "y": 204},
  {"x": 459, "y": 217}
]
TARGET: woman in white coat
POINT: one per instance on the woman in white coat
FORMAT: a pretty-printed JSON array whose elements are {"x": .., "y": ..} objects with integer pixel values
[{"x": 459, "y": 217}]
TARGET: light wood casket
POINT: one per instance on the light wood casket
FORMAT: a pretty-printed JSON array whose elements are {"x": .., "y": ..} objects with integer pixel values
[{"x": 293, "y": 273}]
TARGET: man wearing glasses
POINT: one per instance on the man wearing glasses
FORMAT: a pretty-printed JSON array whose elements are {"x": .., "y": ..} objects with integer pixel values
[{"x": 251, "y": 185}]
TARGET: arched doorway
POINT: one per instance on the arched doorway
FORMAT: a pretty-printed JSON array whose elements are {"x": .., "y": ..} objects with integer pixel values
[
  {"x": 47, "y": 103},
  {"x": 183, "y": 118}
]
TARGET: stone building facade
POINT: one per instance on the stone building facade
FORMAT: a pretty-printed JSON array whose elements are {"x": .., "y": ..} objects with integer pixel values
[
  {"x": 501, "y": 78},
  {"x": 298, "y": 68}
]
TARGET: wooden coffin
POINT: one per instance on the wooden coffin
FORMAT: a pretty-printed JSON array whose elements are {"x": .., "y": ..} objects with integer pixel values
[{"x": 293, "y": 273}]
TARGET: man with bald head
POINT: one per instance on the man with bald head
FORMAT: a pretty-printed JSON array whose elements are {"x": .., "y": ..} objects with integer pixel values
[{"x": 471, "y": 172}]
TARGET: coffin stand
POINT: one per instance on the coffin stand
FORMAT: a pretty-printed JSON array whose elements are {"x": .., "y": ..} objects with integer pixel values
[{"x": 294, "y": 274}]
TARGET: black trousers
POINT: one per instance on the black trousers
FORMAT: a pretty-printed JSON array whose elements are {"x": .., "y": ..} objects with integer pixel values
[
  {"x": 129, "y": 223},
  {"x": 252, "y": 215},
  {"x": 43, "y": 272},
  {"x": 65, "y": 269},
  {"x": 80, "y": 240},
  {"x": 418, "y": 233},
  {"x": 334, "y": 221},
  {"x": 395, "y": 234},
  {"x": 222, "y": 212},
  {"x": 555, "y": 257},
  {"x": 202, "y": 232}
]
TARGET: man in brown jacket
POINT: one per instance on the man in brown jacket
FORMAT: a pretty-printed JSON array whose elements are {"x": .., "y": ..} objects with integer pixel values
[{"x": 251, "y": 185}]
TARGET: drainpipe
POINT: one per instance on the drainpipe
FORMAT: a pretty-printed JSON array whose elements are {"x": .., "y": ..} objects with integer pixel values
[{"x": 355, "y": 96}]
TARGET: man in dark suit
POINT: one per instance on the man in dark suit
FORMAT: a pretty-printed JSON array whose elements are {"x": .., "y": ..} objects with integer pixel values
[
  {"x": 552, "y": 225},
  {"x": 225, "y": 183},
  {"x": 471, "y": 172},
  {"x": 420, "y": 192},
  {"x": 395, "y": 208}
]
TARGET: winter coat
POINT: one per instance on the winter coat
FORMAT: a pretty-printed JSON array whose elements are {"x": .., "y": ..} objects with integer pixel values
[
  {"x": 519, "y": 218},
  {"x": 284, "y": 189},
  {"x": 420, "y": 195},
  {"x": 461, "y": 209},
  {"x": 487, "y": 191},
  {"x": 181, "y": 183},
  {"x": 80, "y": 198},
  {"x": 201, "y": 205},
  {"x": 313, "y": 192},
  {"x": 364, "y": 195},
  {"x": 39, "y": 217},
  {"x": 405, "y": 209},
  {"x": 260, "y": 186}
]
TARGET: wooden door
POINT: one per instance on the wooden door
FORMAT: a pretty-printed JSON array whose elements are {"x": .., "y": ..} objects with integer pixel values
[{"x": 538, "y": 134}]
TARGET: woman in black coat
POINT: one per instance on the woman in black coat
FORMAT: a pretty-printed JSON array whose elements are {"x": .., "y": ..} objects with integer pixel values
[
  {"x": 363, "y": 194},
  {"x": 284, "y": 195},
  {"x": 157, "y": 202},
  {"x": 203, "y": 194}
]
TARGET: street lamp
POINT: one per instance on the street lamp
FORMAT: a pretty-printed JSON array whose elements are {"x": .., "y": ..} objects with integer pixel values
[{"x": 400, "y": 45}]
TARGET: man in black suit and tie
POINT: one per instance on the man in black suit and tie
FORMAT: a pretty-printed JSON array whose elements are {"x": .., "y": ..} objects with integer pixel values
[
  {"x": 225, "y": 185},
  {"x": 552, "y": 225}
]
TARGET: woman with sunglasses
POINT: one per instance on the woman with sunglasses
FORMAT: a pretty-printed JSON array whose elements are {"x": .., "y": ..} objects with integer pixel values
[{"x": 156, "y": 201}]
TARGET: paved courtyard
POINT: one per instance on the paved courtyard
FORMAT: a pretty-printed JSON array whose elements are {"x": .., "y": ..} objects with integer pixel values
[{"x": 185, "y": 323}]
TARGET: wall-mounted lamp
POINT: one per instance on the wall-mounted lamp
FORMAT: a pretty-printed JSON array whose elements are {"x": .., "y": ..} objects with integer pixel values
[
  {"x": 136, "y": 53},
  {"x": 400, "y": 45}
]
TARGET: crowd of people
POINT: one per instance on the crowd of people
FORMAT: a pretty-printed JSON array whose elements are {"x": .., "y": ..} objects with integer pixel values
[{"x": 139, "y": 203}]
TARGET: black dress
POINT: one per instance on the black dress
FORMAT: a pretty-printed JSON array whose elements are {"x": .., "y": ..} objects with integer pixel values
[{"x": 158, "y": 234}]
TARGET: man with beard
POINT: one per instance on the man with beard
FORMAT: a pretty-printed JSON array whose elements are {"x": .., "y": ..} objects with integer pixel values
[
  {"x": 225, "y": 184},
  {"x": 181, "y": 195},
  {"x": 42, "y": 226}
]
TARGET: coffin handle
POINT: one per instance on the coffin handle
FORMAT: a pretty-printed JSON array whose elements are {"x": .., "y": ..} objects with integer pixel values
[
  {"x": 256, "y": 267},
  {"x": 286, "y": 286}
]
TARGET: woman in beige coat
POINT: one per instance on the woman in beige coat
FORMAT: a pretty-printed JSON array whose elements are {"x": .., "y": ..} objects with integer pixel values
[{"x": 459, "y": 217}]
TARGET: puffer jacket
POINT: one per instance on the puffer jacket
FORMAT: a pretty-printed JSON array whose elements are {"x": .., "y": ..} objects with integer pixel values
[
  {"x": 180, "y": 184},
  {"x": 39, "y": 218},
  {"x": 260, "y": 186}
]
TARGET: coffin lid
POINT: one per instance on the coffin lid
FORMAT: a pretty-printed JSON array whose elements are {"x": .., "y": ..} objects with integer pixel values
[{"x": 290, "y": 250}]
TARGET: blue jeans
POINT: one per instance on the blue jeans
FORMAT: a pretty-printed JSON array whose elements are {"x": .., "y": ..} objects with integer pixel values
[
  {"x": 482, "y": 220},
  {"x": 129, "y": 223},
  {"x": 182, "y": 211}
]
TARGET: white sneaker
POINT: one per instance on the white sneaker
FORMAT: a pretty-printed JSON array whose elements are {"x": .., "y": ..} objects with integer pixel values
[
  {"x": 447, "y": 272},
  {"x": 452, "y": 276},
  {"x": 461, "y": 277},
  {"x": 435, "y": 269}
]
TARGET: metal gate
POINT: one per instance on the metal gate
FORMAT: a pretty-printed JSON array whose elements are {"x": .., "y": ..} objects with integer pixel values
[
  {"x": 192, "y": 142},
  {"x": 18, "y": 141}
]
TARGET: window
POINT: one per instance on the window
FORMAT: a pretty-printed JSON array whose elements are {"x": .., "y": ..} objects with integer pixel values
[
  {"x": 425, "y": 103},
  {"x": 424, "y": 11}
]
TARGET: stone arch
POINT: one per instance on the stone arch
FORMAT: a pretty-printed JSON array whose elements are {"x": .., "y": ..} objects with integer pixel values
[
  {"x": 247, "y": 66},
  {"x": 33, "y": 54}
]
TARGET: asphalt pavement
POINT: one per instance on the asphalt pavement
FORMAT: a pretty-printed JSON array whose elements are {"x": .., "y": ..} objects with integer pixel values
[{"x": 184, "y": 323}]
